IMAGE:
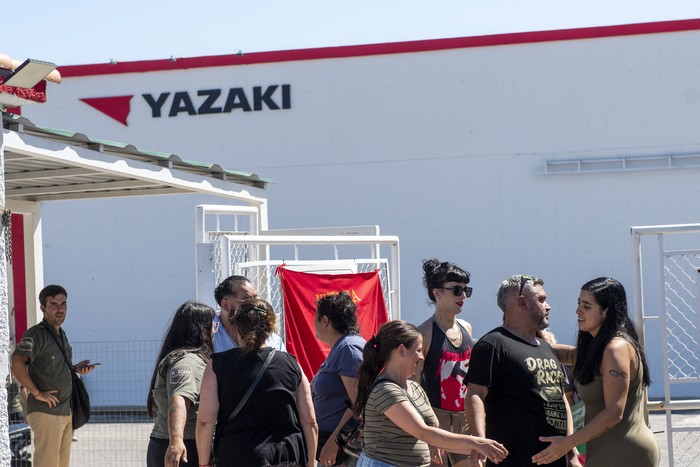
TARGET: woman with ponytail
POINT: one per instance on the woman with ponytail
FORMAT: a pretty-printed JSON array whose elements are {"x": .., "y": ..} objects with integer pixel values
[
  {"x": 276, "y": 425},
  {"x": 611, "y": 374},
  {"x": 399, "y": 422}
]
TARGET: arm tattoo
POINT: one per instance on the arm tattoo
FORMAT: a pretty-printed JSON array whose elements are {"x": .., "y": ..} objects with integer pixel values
[{"x": 617, "y": 374}]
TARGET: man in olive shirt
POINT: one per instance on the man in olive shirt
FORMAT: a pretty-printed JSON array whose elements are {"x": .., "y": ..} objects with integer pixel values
[{"x": 39, "y": 365}]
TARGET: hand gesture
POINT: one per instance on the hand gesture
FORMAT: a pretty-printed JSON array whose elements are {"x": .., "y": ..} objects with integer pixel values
[
  {"x": 48, "y": 397},
  {"x": 436, "y": 455},
  {"x": 328, "y": 452},
  {"x": 558, "y": 448},
  {"x": 477, "y": 460},
  {"x": 176, "y": 451},
  {"x": 84, "y": 367},
  {"x": 494, "y": 450}
]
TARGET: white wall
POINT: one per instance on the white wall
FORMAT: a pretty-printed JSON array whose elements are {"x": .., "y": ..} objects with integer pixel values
[{"x": 445, "y": 149}]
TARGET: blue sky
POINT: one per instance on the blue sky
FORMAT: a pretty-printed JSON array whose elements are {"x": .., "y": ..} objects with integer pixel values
[{"x": 91, "y": 31}]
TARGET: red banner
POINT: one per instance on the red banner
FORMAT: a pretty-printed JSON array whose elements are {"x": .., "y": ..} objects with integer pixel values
[{"x": 301, "y": 290}]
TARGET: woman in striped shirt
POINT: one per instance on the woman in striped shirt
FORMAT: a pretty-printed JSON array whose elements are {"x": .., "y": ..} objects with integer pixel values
[{"x": 399, "y": 422}]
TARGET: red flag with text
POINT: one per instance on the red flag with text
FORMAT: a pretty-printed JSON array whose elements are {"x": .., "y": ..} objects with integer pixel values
[{"x": 301, "y": 290}]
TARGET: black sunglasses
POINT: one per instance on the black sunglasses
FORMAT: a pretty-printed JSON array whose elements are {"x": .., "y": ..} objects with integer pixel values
[
  {"x": 459, "y": 289},
  {"x": 523, "y": 280}
]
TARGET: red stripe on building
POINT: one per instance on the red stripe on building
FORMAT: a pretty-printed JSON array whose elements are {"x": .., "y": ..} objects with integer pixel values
[{"x": 380, "y": 49}]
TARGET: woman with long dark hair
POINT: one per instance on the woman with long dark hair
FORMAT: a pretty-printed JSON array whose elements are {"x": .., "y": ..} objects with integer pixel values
[
  {"x": 611, "y": 374},
  {"x": 447, "y": 348},
  {"x": 173, "y": 396},
  {"x": 335, "y": 381},
  {"x": 399, "y": 422},
  {"x": 274, "y": 424}
]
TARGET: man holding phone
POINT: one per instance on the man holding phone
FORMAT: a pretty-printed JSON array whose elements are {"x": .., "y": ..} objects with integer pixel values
[{"x": 39, "y": 365}]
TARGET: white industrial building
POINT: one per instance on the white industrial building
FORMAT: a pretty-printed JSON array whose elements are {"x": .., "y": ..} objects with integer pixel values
[{"x": 519, "y": 153}]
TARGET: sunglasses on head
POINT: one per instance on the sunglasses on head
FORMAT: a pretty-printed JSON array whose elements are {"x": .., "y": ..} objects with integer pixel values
[
  {"x": 523, "y": 280},
  {"x": 459, "y": 290}
]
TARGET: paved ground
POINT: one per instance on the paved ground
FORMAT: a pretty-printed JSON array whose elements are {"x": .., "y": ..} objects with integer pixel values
[
  {"x": 119, "y": 444},
  {"x": 111, "y": 445}
]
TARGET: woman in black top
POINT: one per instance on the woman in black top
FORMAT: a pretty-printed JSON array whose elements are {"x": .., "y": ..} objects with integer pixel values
[
  {"x": 276, "y": 426},
  {"x": 447, "y": 348}
]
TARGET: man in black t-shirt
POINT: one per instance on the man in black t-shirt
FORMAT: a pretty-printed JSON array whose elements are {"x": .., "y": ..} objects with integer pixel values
[{"x": 515, "y": 393}]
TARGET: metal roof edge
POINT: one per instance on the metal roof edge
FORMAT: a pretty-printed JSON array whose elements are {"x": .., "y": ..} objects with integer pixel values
[{"x": 22, "y": 124}]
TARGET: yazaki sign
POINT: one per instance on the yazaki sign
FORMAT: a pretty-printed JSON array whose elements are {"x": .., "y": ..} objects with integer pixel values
[{"x": 177, "y": 104}]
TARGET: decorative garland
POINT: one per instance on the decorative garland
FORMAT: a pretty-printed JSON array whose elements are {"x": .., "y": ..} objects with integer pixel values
[
  {"x": 11, "y": 96},
  {"x": 6, "y": 219}
]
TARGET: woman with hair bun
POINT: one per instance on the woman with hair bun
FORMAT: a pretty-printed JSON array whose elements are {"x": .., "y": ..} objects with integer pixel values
[
  {"x": 611, "y": 374},
  {"x": 399, "y": 422},
  {"x": 276, "y": 425},
  {"x": 447, "y": 348}
]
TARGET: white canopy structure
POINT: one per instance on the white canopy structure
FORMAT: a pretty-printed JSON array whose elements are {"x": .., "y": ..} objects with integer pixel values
[{"x": 43, "y": 164}]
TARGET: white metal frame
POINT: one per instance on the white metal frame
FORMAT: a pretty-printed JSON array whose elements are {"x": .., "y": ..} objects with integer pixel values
[
  {"x": 259, "y": 241},
  {"x": 668, "y": 404},
  {"x": 374, "y": 242}
]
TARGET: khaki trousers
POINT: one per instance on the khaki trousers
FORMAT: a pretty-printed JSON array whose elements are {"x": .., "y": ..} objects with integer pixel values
[
  {"x": 456, "y": 422},
  {"x": 52, "y": 436}
]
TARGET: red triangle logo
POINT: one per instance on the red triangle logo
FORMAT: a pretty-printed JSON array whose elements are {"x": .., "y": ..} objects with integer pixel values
[{"x": 116, "y": 107}]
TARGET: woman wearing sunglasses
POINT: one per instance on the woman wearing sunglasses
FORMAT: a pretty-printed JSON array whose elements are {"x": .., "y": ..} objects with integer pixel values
[{"x": 447, "y": 349}]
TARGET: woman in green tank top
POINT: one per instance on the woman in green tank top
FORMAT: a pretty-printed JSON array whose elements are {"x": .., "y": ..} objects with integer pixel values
[{"x": 611, "y": 373}]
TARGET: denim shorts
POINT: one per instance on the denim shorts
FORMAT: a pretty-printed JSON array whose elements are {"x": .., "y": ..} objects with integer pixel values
[{"x": 366, "y": 461}]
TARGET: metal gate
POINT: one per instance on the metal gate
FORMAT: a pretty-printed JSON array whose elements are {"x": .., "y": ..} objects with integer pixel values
[
  {"x": 678, "y": 318},
  {"x": 234, "y": 240}
]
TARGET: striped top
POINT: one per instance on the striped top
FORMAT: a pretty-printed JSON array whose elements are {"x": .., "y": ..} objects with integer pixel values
[{"x": 384, "y": 440}]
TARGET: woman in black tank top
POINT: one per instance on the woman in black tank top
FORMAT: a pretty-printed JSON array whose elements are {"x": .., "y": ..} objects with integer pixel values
[{"x": 447, "y": 349}]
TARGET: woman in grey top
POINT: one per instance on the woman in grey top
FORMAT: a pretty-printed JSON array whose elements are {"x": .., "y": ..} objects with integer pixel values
[
  {"x": 399, "y": 422},
  {"x": 173, "y": 396}
]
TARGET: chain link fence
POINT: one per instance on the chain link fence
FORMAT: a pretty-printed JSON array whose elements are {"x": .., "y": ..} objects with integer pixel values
[
  {"x": 119, "y": 428},
  {"x": 677, "y": 289},
  {"x": 682, "y": 324},
  {"x": 682, "y": 331},
  {"x": 229, "y": 256}
]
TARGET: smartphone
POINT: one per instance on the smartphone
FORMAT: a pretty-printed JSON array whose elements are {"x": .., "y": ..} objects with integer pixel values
[{"x": 80, "y": 367}]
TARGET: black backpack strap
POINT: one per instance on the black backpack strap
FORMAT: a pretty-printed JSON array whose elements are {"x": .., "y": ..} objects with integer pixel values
[{"x": 60, "y": 346}]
